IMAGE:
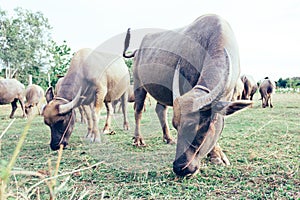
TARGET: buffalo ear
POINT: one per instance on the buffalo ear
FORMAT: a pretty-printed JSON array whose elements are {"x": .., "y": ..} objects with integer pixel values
[
  {"x": 49, "y": 94},
  {"x": 228, "y": 108}
]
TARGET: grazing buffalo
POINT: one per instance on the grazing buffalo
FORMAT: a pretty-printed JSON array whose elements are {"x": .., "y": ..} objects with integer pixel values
[
  {"x": 194, "y": 69},
  {"x": 238, "y": 90},
  {"x": 250, "y": 87},
  {"x": 92, "y": 79},
  {"x": 34, "y": 98},
  {"x": 12, "y": 91},
  {"x": 266, "y": 89}
]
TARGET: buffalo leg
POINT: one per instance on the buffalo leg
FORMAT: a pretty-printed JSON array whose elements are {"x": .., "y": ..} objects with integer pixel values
[
  {"x": 96, "y": 113},
  {"x": 140, "y": 95},
  {"x": 14, "y": 107},
  {"x": 262, "y": 101},
  {"x": 124, "y": 104},
  {"x": 22, "y": 107},
  {"x": 88, "y": 114},
  {"x": 161, "y": 111},
  {"x": 217, "y": 156},
  {"x": 109, "y": 112},
  {"x": 271, "y": 105},
  {"x": 267, "y": 101},
  {"x": 82, "y": 114}
]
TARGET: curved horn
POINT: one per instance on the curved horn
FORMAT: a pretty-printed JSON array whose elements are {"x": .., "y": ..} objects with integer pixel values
[
  {"x": 206, "y": 100},
  {"x": 175, "y": 87},
  {"x": 62, "y": 109},
  {"x": 201, "y": 97}
]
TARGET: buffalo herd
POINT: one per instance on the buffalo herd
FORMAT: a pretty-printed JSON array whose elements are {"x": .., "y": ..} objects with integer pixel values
[{"x": 194, "y": 69}]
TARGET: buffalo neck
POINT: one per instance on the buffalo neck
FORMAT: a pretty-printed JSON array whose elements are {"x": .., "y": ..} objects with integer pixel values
[{"x": 70, "y": 86}]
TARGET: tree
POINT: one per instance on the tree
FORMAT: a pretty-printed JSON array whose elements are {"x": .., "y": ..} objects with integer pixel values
[
  {"x": 129, "y": 63},
  {"x": 281, "y": 83},
  {"x": 59, "y": 61},
  {"x": 24, "y": 39}
]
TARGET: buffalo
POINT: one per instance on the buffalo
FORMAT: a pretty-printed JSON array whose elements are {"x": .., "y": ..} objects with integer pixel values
[
  {"x": 250, "y": 87},
  {"x": 93, "y": 78},
  {"x": 194, "y": 69},
  {"x": 34, "y": 98},
  {"x": 12, "y": 91},
  {"x": 266, "y": 89}
]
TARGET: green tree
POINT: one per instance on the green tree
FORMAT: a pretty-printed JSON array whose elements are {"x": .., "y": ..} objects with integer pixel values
[
  {"x": 129, "y": 63},
  {"x": 282, "y": 83},
  {"x": 59, "y": 61},
  {"x": 24, "y": 39}
]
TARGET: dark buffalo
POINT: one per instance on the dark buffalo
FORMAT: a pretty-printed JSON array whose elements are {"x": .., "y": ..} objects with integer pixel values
[
  {"x": 266, "y": 89},
  {"x": 194, "y": 69}
]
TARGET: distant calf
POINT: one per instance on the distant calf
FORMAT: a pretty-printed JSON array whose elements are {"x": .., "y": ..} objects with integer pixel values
[
  {"x": 266, "y": 89},
  {"x": 34, "y": 98},
  {"x": 12, "y": 91}
]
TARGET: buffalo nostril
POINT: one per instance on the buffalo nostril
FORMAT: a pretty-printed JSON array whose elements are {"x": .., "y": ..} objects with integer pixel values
[
  {"x": 181, "y": 170},
  {"x": 54, "y": 147}
]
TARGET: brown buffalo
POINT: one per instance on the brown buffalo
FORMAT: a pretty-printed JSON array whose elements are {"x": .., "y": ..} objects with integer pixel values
[
  {"x": 250, "y": 87},
  {"x": 12, "y": 91},
  {"x": 92, "y": 79},
  {"x": 34, "y": 98},
  {"x": 266, "y": 89},
  {"x": 194, "y": 69}
]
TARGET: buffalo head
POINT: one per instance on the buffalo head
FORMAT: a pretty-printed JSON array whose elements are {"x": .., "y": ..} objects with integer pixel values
[
  {"x": 59, "y": 115},
  {"x": 28, "y": 109},
  {"x": 198, "y": 116},
  {"x": 198, "y": 127}
]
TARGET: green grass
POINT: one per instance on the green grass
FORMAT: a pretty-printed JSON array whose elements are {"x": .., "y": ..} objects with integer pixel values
[{"x": 261, "y": 144}]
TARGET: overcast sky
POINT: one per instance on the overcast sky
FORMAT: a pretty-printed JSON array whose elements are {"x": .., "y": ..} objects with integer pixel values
[{"x": 267, "y": 31}]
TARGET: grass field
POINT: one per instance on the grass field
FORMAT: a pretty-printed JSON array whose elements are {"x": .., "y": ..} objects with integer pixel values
[{"x": 261, "y": 144}]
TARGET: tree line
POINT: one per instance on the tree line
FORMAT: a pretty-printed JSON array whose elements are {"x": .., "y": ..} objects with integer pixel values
[
  {"x": 289, "y": 82},
  {"x": 28, "y": 48}
]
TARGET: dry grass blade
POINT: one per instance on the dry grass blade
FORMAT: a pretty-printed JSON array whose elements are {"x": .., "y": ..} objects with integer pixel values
[
  {"x": 63, "y": 174},
  {"x": 5, "y": 175},
  {"x": 5, "y": 130}
]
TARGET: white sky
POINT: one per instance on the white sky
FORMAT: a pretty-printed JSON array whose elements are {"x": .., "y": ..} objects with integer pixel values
[{"x": 267, "y": 31}]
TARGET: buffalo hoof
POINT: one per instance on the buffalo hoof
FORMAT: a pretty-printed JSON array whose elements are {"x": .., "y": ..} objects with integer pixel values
[
  {"x": 89, "y": 136},
  {"x": 97, "y": 140},
  {"x": 218, "y": 157},
  {"x": 220, "y": 160},
  {"x": 138, "y": 142},
  {"x": 108, "y": 132},
  {"x": 169, "y": 141},
  {"x": 112, "y": 133},
  {"x": 126, "y": 126}
]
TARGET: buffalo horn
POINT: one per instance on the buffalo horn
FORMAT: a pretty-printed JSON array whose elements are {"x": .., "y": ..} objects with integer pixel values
[
  {"x": 175, "y": 89},
  {"x": 69, "y": 106},
  {"x": 203, "y": 101}
]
